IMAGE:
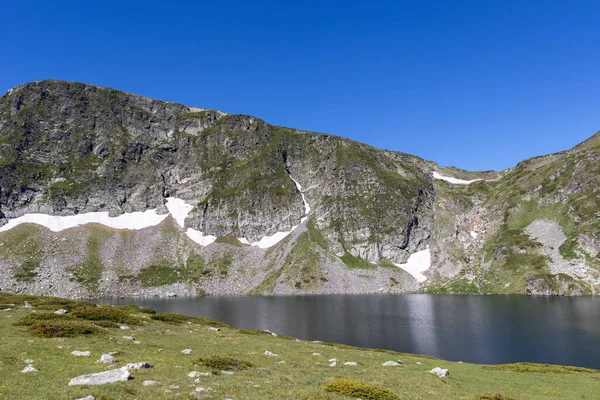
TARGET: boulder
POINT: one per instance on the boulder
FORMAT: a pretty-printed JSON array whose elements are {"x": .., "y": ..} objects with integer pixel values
[
  {"x": 78, "y": 353},
  {"x": 440, "y": 372},
  {"x": 28, "y": 369},
  {"x": 107, "y": 359},
  {"x": 102, "y": 378}
]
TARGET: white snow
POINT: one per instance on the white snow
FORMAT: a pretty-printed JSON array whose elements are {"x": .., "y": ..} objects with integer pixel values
[
  {"x": 306, "y": 205},
  {"x": 417, "y": 263},
  {"x": 456, "y": 181},
  {"x": 243, "y": 240},
  {"x": 273, "y": 239},
  {"x": 178, "y": 209},
  {"x": 135, "y": 220},
  {"x": 199, "y": 237}
]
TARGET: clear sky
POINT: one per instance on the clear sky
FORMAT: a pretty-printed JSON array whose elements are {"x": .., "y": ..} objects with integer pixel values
[{"x": 476, "y": 84}]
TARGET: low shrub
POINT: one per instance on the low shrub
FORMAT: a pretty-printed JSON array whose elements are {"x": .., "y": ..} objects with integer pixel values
[
  {"x": 172, "y": 318},
  {"x": 219, "y": 363},
  {"x": 105, "y": 314},
  {"x": 107, "y": 324},
  {"x": 532, "y": 367},
  {"x": 495, "y": 396},
  {"x": 360, "y": 389},
  {"x": 65, "y": 328},
  {"x": 31, "y": 319},
  {"x": 132, "y": 308}
]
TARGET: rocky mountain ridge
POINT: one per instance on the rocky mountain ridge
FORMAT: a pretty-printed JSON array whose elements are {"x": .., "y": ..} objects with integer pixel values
[{"x": 357, "y": 216}]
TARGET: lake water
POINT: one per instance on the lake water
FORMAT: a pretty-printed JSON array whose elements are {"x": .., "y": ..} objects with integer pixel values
[{"x": 479, "y": 329}]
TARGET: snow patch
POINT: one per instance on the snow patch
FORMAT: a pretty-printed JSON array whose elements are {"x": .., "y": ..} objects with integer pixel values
[
  {"x": 135, "y": 220},
  {"x": 273, "y": 239},
  {"x": 199, "y": 237},
  {"x": 456, "y": 181},
  {"x": 178, "y": 209},
  {"x": 306, "y": 205},
  {"x": 243, "y": 240},
  {"x": 417, "y": 263}
]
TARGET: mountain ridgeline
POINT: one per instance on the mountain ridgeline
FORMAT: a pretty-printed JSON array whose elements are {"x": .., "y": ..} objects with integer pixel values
[{"x": 288, "y": 211}]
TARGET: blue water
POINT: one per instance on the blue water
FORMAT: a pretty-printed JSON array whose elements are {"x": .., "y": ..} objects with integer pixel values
[{"x": 479, "y": 329}]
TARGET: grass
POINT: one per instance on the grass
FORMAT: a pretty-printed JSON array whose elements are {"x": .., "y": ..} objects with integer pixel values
[
  {"x": 113, "y": 314},
  {"x": 356, "y": 262},
  {"x": 256, "y": 376},
  {"x": 363, "y": 390},
  {"x": 544, "y": 368}
]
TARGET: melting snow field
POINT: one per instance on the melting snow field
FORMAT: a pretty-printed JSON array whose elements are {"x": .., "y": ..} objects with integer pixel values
[
  {"x": 456, "y": 181},
  {"x": 417, "y": 263},
  {"x": 177, "y": 208}
]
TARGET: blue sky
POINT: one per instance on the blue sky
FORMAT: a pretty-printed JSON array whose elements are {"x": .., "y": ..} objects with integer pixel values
[{"x": 476, "y": 84}]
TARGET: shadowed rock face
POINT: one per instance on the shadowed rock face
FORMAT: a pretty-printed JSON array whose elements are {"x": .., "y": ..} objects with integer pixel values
[{"x": 70, "y": 148}]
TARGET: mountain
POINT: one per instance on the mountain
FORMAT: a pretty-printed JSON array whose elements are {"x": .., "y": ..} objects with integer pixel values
[{"x": 103, "y": 192}]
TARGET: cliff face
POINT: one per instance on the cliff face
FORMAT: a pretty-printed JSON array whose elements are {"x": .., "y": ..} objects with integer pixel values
[{"x": 353, "y": 211}]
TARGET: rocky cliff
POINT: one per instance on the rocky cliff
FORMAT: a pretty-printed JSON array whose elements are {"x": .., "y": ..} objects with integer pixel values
[{"x": 241, "y": 206}]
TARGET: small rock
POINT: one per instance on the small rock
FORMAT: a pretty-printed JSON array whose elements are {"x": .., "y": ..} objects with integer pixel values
[
  {"x": 90, "y": 397},
  {"x": 28, "y": 361},
  {"x": 350, "y": 363},
  {"x": 440, "y": 372},
  {"x": 139, "y": 365},
  {"x": 106, "y": 359},
  {"x": 268, "y": 353},
  {"x": 211, "y": 328},
  {"x": 161, "y": 350},
  {"x": 28, "y": 369},
  {"x": 419, "y": 362},
  {"x": 78, "y": 353},
  {"x": 187, "y": 351},
  {"x": 101, "y": 378},
  {"x": 197, "y": 380},
  {"x": 171, "y": 294},
  {"x": 333, "y": 364},
  {"x": 61, "y": 311},
  {"x": 201, "y": 389},
  {"x": 149, "y": 383},
  {"x": 281, "y": 362},
  {"x": 128, "y": 338},
  {"x": 226, "y": 372},
  {"x": 137, "y": 342},
  {"x": 316, "y": 354},
  {"x": 390, "y": 364},
  {"x": 124, "y": 327},
  {"x": 332, "y": 360},
  {"x": 272, "y": 333}
]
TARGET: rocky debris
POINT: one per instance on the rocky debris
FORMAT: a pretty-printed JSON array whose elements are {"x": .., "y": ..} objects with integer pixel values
[
  {"x": 28, "y": 369},
  {"x": 186, "y": 351},
  {"x": 351, "y": 363},
  {"x": 390, "y": 364},
  {"x": 171, "y": 294},
  {"x": 213, "y": 329},
  {"x": 62, "y": 311},
  {"x": 149, "y": 383},
  {"x": 138, "y": 366},
  {"x": 195, "y": 374},
  {"x": 268, "y": 353},
  {"x": 78, "y": 353},
  {"x": 102, "y": 378},
  {"x": 440, "y": 372},
  {"x": 107, "y": 359}
]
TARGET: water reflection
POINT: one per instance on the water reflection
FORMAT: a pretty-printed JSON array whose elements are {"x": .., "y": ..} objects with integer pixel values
[{"x": 482, "y": 329}]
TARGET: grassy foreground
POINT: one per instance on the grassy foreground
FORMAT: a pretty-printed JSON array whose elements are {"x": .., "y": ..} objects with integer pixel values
[{"x": 301, "y": 369}]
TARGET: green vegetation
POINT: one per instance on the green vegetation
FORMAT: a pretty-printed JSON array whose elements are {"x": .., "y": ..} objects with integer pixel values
[
  {"x": 356, "y": 262},
  {"x": 230, "y": 240},
  {"x": 89, "y": 272},
  {"x": 256, "y": 376},
  {"x": 360, "y": 389},
  {"x": 531, "y": 367},
  {"x": 63, "y": 328},
  {"x": 93, "y": 313},
  {"x": 172, "y": 318},
  {"x": 219, "y": 363}
]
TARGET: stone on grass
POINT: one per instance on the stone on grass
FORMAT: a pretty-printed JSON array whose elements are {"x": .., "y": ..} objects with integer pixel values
[
  {"x": 316, "y": 354},
  {"x": 390, "y": 364},
  {"x": 149, "y": 383},
  {"x": 78, "y": 353},
  {"x": 90, "y": 397},
  {"x": 61, "y": 311},
  {"x": 107, "y": 359},
  {"x": 29, "y": 368},
  {"x": 350, "y": 363},
  {"x": 333, "y": 364},
  {"x": 268, "y": 353},
  {"x": 124, "y": 327},
  {"x": 115, "y": 375},
  {"x": 139, "y": 365},
  {"x": 128, "y": 338},
  {"x": 211, "y": 328},
  {"x": 28, "y": 361},
  {"x": 440, "y": 372},
  {"x": 226, "y": 372},
  {"x": 332, "y": 359},
  {"x": 187, "y": 351}
]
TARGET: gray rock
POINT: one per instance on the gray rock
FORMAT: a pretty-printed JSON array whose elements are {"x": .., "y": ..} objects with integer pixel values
[
  {"x": 107, "y": 359},
  {"x": 226, "y": 372},
  {"x": 268, "y": 353},
  {"x": 186, "y": 351},
  {"x": 28, "y": 369},
  {"x": 62, "y": 311},
  {"x": 78, "y": 353},
  {"x": 139, "y": 365},
  {"x": 350, "y": 363},
  {"x": 90, "y": 397},
  {"x": 440, "y": 372},
  {"x": 149, "y": 383},
  {"x": 390, "y": 364},
  {"x": 102, "y": 378}
]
